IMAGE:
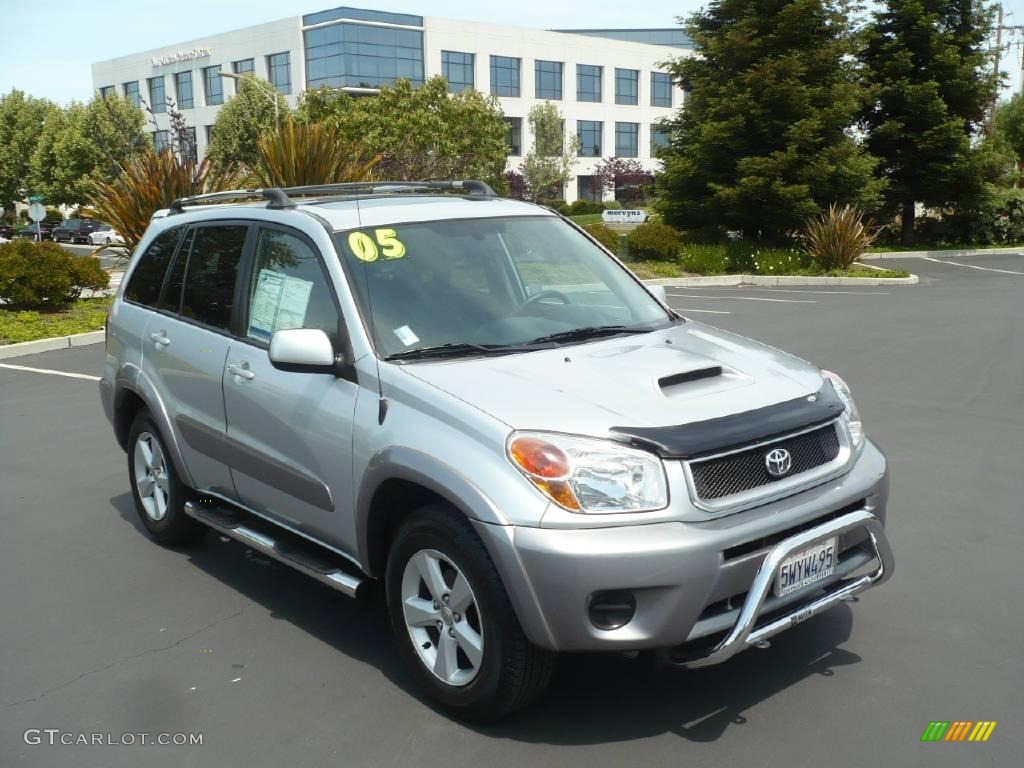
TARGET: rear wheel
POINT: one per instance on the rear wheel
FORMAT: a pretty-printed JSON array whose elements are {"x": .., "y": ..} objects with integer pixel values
[
  {"x": 158, "y": 493},
  {"x": 454, "y": 622}
]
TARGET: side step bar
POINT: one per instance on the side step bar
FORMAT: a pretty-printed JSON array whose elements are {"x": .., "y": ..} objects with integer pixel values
[{"x": 285, "y": 548}]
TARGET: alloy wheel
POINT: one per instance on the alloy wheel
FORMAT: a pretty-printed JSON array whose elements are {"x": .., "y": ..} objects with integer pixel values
[
  {"x": 442, "y": 617},
  {"x": 151, "y": 478}
]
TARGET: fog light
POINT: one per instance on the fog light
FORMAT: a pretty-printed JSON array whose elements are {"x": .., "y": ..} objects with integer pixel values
[{"x": 612, "y": 609}]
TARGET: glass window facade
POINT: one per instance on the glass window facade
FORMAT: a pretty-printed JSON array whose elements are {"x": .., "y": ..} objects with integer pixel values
[
  {"x": 587, "y": 188},
  {"x": 183, "y": 90},
  {"x": 209, "y": 134},
  {"x": 106, "y": 91},
  {"x": 661, "y": 89},
  {"x": 161, "y": 140},
  {"x": 244, "y": 67},
  {"x": 589, "y": 133},
  {"x": 505, "y": 76},
  {"x": 627, "y": 139},
  {"x": 157, "y": 94},
  {"x": 279, "y": 71},
  {"x": 548, "y": 79},
  {"x": 588, "y": 82},
  {"x": 659, "y": 140},
  {"x": 359, "y": 56},
  {"x": 457, "y": 69},
  {"x": 627, "y": 86},
  {"x": 131, "y": 92},
  {"x": 213, "y": 85},
  {"x": 191, "y": 149},
  {"x": 514, "y": 135}
]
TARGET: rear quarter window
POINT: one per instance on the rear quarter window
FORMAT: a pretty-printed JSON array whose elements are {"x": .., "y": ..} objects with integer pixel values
[{"x": 148, "y": 275}]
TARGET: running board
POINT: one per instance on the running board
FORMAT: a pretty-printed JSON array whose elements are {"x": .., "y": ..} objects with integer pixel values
[{"x": 305, "y": 557}]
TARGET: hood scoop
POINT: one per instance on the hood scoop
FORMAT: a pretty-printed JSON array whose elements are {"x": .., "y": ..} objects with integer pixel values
[{"x": 667, "y": 383}]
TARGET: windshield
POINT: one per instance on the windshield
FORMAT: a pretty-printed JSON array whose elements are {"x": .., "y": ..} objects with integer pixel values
[{"x": 478, "y": 285}]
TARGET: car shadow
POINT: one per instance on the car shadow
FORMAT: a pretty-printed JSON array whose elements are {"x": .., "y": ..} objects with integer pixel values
[{"x": 593, "y": 698}]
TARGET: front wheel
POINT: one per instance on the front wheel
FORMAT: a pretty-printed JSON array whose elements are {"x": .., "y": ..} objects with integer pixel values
[{"x": 454, "y": 622}]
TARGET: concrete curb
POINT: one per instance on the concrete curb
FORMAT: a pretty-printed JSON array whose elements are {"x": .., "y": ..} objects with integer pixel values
[
  {"x": 950, "y": 254},
  {"x": 46, "y": 345},
  {"x": 733, "y": 280}
]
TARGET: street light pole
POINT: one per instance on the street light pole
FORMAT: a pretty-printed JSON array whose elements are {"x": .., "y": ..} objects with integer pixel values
[{"x": 271, "y": 94}]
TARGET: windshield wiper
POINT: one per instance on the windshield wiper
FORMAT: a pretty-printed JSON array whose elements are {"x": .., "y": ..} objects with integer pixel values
[
  {"x": 465, "y": 349},
  {"x": 589, "y": 332}
]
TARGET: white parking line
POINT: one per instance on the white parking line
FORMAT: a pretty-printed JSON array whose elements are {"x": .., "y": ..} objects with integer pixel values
[
  {"x": 741, "y": 298},
  {"x": 971, "y": 266},
  {"x": 47, "y": 370},
  {"x": 705, "y": 311}
]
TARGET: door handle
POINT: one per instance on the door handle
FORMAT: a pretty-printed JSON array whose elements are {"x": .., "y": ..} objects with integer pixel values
[
  {"x": 160, "y": 339},
  {"x": 242, "y": 371}
]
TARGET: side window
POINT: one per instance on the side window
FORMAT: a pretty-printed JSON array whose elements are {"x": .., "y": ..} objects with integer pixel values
[
  {"x": 288, "y": 288},
  {"x": 148, "y": 275},
  {"x": 171, "y": 298},
  {"x": 209, "y": 292}
]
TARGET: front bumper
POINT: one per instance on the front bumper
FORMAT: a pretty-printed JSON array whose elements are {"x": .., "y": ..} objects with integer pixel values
[{"x": 704, "y": 586}]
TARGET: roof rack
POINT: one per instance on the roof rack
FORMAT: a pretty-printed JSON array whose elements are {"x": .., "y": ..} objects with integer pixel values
[{"x": 279, "y": 198}]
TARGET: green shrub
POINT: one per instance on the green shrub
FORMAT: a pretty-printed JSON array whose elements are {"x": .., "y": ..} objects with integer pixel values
[
  {"x": 706, "y": 259},
  {"x": 612, "y": 205},
  {"x": 605, "y": 235},
  {"x": 779, "y": 261},
  {"x": 45, "y": 275},
  {"x": 655, "y": 241},
  {"x": 998, "y": 220},
  {"x": 838, "y": 237},
  {"x": 580, "y": 207},
  {"x": 559, "y": 205}
]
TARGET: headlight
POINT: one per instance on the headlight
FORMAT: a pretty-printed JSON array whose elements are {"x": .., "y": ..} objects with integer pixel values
[
  {"x": 852, "y": 415},
  {"x": 587, "y": 475}
]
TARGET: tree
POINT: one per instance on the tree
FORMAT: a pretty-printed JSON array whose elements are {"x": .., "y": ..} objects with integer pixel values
[
  {"x": 241, "y": 122},
  {"x": 547, "y": 167},
  {"x": 931, "y": 85},
  {"x": 1009, "y": 124},
  {"x": 86, "y": 143},
  {"x": 624, "y": 177},
  {"x": 764, "y": 140},
  {"x": 21, "y": 122},
  {"x": 422, "y": 132}
]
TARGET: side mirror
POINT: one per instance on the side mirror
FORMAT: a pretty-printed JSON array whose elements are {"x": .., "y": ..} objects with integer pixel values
[
  {"x": 302, "y": 350},
  {"x": 659, "y": 293}
]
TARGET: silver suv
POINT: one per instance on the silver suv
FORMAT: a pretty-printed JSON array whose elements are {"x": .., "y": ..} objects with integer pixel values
[{"x": 468, "y": 400}]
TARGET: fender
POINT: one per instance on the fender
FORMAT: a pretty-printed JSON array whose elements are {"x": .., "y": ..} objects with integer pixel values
[
  {"x": 144, "y": 388},
  {"x": 402, "y": 463}
]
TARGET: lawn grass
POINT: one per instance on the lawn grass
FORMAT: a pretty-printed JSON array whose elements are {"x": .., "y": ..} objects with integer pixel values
[
  {"x": 649, "y": 270},
  {"x": 26, "y": 325},
  {"x": 586, "y": 218}
]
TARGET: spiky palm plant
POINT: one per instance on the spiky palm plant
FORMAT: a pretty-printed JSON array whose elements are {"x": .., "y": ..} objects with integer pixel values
[
  {"x": 144, "y": 185},
  {"x": 838, "y": 237},
  {"x": 301, "y": 153}
]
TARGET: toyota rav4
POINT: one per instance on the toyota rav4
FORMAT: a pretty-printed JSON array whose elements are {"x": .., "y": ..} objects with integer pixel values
[{"x": 469, "y": 401}]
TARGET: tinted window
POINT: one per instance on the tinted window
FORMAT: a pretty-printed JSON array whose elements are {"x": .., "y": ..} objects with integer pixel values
[
  {"x": 210, "y": 276},
  {"x": 288, "y": 289},
  {"x": 148, "y": 275},
  {"x": 170, "y": 300}
]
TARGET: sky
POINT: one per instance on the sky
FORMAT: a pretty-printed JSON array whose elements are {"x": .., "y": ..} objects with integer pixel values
[{"x": 48, "y": 46}]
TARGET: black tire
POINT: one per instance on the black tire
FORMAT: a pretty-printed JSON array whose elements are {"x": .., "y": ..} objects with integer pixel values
[
  {"x": 513, "y": 672},
  {"x": 175, "y": 528}
]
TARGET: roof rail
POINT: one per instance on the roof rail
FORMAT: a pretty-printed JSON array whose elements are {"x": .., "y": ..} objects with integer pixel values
[
  {"x": 282, "y": 198},
  {"x": 276, "y": 198}
]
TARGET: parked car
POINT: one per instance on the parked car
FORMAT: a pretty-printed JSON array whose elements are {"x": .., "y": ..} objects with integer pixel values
[
  {"x": 74, "y": 230},
  {"x": 6, "y": 231},
  {"x": 42, "y": 230},
  {"x": 105, "y": 235},
  {"x": 471, "y": 402}
]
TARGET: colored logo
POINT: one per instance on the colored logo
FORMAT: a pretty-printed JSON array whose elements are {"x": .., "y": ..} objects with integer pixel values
[{"x": 958, "y": 730}]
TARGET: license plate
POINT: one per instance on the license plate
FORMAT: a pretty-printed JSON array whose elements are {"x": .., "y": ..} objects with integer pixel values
[{"x": 806, "y": 567}]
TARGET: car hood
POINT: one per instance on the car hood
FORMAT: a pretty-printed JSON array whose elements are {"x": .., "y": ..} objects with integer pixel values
[{"x": 662, "y": 378}]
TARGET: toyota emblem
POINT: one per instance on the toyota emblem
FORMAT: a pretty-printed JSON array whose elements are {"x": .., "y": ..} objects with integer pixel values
[{"x": 778, "y": 462}]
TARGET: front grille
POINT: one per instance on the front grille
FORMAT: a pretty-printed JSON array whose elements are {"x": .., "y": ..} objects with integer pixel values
[{"x": 744, "y": 470}]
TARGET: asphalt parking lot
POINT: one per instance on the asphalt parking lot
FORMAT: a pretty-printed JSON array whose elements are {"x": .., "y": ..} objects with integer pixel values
[{"x": 102, "y": 631}]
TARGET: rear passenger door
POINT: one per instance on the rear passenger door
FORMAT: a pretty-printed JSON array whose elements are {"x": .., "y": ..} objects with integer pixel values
[
  {"x": 186, "y": 344},
  {"x": 290, "y": 432}
]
